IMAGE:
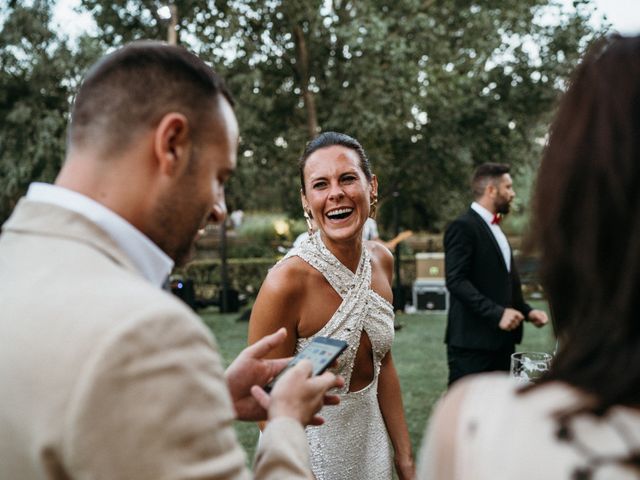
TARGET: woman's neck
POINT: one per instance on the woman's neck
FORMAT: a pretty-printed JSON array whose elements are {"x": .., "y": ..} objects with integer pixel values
[{"x": 347, "y": 251}]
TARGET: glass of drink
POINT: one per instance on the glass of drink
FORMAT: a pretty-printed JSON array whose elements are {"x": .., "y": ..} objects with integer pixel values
[{"x": 528, "y": 367}]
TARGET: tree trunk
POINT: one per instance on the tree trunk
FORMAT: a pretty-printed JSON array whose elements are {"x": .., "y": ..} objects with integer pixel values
[{"x": 302, "y": 66}]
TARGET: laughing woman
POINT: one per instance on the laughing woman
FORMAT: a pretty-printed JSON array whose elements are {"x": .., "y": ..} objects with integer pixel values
[{"x": 337, "y": 285}]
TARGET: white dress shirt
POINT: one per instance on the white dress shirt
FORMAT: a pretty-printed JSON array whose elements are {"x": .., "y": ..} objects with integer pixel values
[
  {"x": 499, "y": 235},
  {"x": 151, "y": 262},
  {"x": 370, "y": 230}
]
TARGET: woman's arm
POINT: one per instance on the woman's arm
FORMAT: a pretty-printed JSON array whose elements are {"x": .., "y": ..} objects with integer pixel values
[
  {"x": 389, "y": 396},
  {"x": 390, "y": 400},
  {"x": 277, "y": 305}
]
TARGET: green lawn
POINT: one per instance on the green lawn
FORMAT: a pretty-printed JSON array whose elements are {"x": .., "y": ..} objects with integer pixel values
[{"x": 419, "y": 355}]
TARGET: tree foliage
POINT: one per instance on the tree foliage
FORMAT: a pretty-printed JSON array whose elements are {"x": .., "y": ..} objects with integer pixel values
[
  {"x": 429, "y": 88},
  {"x": 38, "y": 75}
]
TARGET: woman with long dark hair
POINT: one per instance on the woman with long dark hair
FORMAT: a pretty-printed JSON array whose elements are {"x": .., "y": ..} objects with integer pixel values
[{"x": 581, "y": 420}]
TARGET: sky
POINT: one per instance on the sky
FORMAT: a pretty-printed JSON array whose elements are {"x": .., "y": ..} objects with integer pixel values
[
  {"x": 624, "y": 15},
  {"x": 72, "y": 23}
]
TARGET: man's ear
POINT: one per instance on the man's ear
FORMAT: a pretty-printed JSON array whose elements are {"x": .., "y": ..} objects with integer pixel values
[
  {"x": 172, "y": 143},
  {"x": 491, "y": 189}
]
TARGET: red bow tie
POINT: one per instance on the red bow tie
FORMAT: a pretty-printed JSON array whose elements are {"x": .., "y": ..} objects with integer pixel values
[{"x": 496, "y": 219}]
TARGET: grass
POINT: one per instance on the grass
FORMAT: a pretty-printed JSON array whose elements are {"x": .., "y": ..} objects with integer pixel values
[{"x": 419, "y": 356}]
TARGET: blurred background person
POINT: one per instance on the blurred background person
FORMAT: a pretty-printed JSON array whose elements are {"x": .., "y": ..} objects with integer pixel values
[{"x": 484, "y": 322}]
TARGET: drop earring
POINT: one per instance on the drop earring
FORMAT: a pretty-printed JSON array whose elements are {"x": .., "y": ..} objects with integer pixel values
[
  {"x": 307, "y": 218},
  {"x": 373, "y": 206}
]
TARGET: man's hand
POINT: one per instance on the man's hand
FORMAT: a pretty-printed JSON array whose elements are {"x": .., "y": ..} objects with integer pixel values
[
  {"x": 251, "y": 368},
  {"x": 511, "y": 319},
  {"x": 538, "y": 318},
  {"x": 299, "y": 395}
]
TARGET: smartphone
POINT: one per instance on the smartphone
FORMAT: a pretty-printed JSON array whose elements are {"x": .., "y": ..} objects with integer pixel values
[{"x": 322, "y": 351}]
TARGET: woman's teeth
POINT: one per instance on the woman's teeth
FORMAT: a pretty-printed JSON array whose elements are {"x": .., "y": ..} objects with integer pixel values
[{"x": 339, "y": 213}]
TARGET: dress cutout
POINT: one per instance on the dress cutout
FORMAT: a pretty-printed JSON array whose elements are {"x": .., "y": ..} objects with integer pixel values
[{"x": 353, "y": 442}]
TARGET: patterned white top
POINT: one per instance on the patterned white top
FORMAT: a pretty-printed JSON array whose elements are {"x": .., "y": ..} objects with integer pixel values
[
  {"x": 502, "y": 434},
  {"x": 353, "y": 443}
]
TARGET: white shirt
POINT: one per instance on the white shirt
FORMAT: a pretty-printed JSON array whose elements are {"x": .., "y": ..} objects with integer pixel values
[
  {"x": 370, "y": 230},
  {"x": 151, "y": 262},
  {"x": 498, "y": 234}
]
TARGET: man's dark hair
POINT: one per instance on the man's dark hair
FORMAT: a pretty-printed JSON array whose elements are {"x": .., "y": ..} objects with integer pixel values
[
  {"x": 329, "y": 139},
  {"x": 485, "y": 173},
  {"x": 587, "y": 226},
  {"x": 134, "y": 87}
]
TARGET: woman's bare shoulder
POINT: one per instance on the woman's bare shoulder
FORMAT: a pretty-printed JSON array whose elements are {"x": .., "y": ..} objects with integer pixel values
[
  {"x": 289, "y": 277},
  {"x": 381, "y": 256},
  {"x": 280, "y": 300},
  {"x": 378, "y": 250}
]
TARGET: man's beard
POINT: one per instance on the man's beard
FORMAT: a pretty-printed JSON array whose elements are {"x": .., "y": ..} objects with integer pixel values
[
  {"x": 176, "y": 232},
  {"x": 177, "y": 221},
  {"x": 503, "y": 207},
  {"x": 185, "y": 250}
]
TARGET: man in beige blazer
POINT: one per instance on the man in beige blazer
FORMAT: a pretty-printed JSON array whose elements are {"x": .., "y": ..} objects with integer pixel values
[{"x": 103, "y": 374}]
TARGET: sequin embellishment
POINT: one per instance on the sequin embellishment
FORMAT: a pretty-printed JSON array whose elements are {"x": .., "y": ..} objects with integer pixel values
[{"x": 353, "y": 443}]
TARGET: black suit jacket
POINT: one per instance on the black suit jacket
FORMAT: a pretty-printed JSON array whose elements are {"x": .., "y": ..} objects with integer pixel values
[{"x": 480, "y": 286}]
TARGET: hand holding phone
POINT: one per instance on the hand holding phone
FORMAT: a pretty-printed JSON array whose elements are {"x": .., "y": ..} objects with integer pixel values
[{"x": 321, "y": 351}]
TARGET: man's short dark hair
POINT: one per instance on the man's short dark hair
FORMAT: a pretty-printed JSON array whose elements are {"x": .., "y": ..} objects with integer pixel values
[
  {"x": 485, "y": 173},
  {"x": 134, "y": 87}
]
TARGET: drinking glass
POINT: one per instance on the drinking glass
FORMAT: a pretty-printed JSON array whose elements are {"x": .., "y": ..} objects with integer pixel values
[{"x": 528, "y": 367}]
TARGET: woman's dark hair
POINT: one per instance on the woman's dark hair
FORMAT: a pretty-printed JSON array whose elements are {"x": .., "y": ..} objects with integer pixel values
[
  {"x": 329, "y": 139},
  {"x": 587, "y": 226}
]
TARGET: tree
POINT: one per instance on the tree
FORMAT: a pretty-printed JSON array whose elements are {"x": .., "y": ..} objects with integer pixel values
[
  {"x": 38, "y": 75},
  {"x": 431, "y": 89}
]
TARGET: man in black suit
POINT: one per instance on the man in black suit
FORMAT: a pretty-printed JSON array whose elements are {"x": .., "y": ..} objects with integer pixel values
[{"x": 487, "y": 308}]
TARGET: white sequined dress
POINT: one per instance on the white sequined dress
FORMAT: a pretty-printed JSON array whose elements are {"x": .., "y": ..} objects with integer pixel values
[{"x": 353, "y": 443}]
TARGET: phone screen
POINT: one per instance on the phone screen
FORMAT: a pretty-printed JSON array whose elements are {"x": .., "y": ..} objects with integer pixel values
[{"x": 322, "y": 351}]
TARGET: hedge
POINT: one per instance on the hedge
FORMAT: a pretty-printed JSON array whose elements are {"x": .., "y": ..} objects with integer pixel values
[{"x": 247, "y": 274}]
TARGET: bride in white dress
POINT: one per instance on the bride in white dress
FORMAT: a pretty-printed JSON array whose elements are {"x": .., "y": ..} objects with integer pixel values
[{"x": 335, "y": 284}]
